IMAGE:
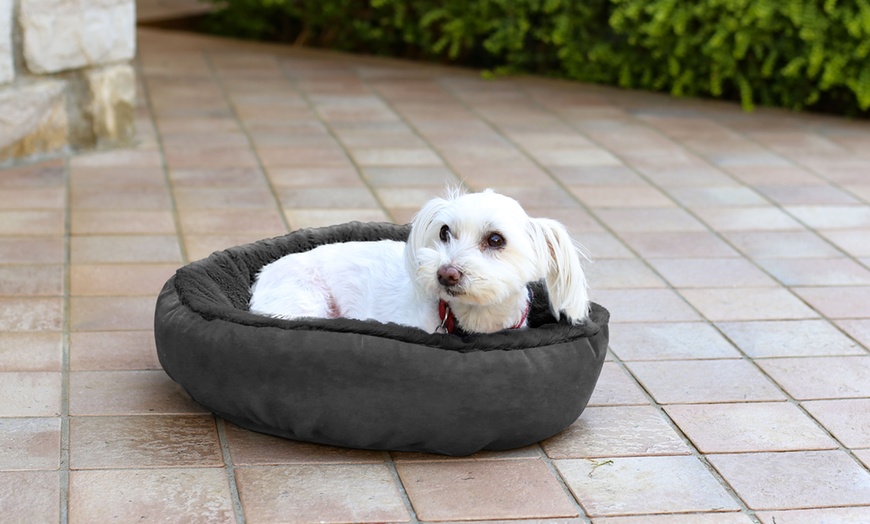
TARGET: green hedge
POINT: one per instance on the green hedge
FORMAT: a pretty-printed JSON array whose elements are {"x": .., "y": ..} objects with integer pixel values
[{"x": 790, "y": 53}]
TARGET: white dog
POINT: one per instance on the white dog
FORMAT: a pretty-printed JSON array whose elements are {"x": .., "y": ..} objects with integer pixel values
[{"x": 466, "y": 265}]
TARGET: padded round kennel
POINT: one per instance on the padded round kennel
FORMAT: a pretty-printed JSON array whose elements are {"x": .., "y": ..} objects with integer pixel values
[{"x": 364, "y": 384}]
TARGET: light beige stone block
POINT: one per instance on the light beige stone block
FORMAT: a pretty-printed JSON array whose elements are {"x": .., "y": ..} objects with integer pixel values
[
  {"x": 67, "y": 34},
  {"x": 112, "y": 103},
  {"x": 34, "y": 118},
  {"x": 7, "y": 62}
]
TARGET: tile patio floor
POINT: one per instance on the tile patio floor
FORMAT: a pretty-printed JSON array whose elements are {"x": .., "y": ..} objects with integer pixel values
[{"x": 732, "y": 249}]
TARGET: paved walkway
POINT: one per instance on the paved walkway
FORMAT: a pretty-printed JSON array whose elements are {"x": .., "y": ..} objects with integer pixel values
[{"x": 732, "y": 250}]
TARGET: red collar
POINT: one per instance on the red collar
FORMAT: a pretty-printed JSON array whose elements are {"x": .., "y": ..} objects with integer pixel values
[{"x": 448, "y": 319}]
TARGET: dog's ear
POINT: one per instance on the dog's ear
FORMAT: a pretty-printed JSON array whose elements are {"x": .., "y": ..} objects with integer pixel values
[
  {"x": 559, "y": 260},
  {"x": 421, "y": 229}
]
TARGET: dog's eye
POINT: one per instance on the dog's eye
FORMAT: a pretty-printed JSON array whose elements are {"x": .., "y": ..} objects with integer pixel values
[
  {"x": 495, "y": 240},
  {"x": 445, "y": 233}
]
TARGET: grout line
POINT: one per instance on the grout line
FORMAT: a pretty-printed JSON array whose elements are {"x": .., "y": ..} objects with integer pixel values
[
  {"x": 400, "y": 486},
  {"x": 229, "y": 469},
  {"x": 65, "y": 359},
  {"x": 146, "y": 97}
]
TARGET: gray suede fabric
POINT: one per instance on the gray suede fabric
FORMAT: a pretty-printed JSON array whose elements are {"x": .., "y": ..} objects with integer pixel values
[{"x": 364, "y": 384}]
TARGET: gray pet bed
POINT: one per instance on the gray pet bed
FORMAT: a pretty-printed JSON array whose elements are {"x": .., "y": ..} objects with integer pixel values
[{"x": 364, "y": 384}]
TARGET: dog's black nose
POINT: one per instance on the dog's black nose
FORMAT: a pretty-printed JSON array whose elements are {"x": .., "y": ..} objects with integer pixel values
[{"x": 448, "y": 276}]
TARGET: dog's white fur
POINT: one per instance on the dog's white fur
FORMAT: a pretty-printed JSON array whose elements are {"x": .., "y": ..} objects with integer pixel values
[{"x": 397, "y": 282}]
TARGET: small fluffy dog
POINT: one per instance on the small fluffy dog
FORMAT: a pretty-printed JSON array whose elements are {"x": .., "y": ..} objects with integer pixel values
[{"x": 464, "y": 268}]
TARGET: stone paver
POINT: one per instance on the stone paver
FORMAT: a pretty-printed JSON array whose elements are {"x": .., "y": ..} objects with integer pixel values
[{"x": 731, "y": 249}]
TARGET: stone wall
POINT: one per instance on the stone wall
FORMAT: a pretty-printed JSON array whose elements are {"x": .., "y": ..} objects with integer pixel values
[{"x": 66, "y": 82}]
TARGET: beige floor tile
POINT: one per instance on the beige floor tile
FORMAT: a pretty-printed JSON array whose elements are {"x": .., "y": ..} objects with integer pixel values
[
  {"x": 128, "y": 393},
  {"x": 33, "y": 198},
  {"x": 838, "y": 302},
  {"x": 30, "y": 496},
  {"x": 621, "y": 196},
  {"x": 217, "y": 177},
  {"x": 644, "y": 305},
  {"x": 852, "y": 241},
  {"x": 711, "y": 272},
  {"x": 759, "y": 303},
  {"x": 642, "y": 485},
  {"x": 266, "y": 223},
  {"x": 616, "y": 388},
  {"x": 576, "y": 220},
  {"x": 781, "y": 244},
  {"x": 111, "y": 313},
  {"x": 780, "y": 338},
  {"x": 576, "y": 157},
  {"x": 649, "y": 220},
  {"x": 670, "y": 176},
  {"x": 119, "y": 279},
  {"x": 821, "y": 377},
  {"x": 703, "y": 197},
  {"x": 31, "y": 351},
  {"x": 620, "y": 431},
  {"x": 602, "y": 245},
  {"x": 698, "y": 244},
  {"x": 612, "y": 176},
  {"x": 121, "y": 198},
  {"x": 621, "y": 273},
  {"x": 215, "y": 158},
  {"x": 107, "y": 249},
  {"x": 31, "y": 314},
  {"x": 31, "y": 280},
  {"x": 302, "y": 218},
  {"x": 224, "y": 198},
  {"x": 99, "y": 222},
  {"x": 153, "y": 495},
  {"x": 807, "y": 195},
  {"x": 416, "y": 196},
  {"x": 314, "y": 176},
  {"x": 863, "y": 455},
  {"x": 858, "y": 329},
  {"x": 702, "y": 381},
  {"x": 757, "y": 426},
  {"x": 112, "y": 351},
  {"x": 101, "y": 180},
  {"x": 854, "y": 515},
  {"x": 540, "y": 200},
  {"x": 381, "y": 157},
  {"x": 143, "y": 442},
  {"x": 670, "y": 341},
  {"x": 779, "y": 480},
  {"x": 31, "y": 223},
  {"x": 303, "y": 156},
  {"x": 816, "y": 271},
  {"x": 326, "y": 198},
  {"x": 488, "y": 489},
  {"x": 409, "y": 176},
  {"x": 747, "y": 219},
  {"x": 30, "y": 394},
  {"x": 320, "y": 493},
  {"x": 847, "y": 420},
  {"x": 249, "y": 448},
  {"x": 832, "y": 217},
  {"x": 29, "y": 443},
  {"x": 33, "y": 250},
  {"x": 680, "y": 518}
]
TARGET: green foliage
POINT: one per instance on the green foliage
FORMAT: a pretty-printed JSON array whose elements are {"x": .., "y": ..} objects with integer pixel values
[{"x": 791, "y": 53}]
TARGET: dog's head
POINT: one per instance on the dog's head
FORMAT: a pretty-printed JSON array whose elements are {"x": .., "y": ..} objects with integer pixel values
[{"x": 481, "y": 249}]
